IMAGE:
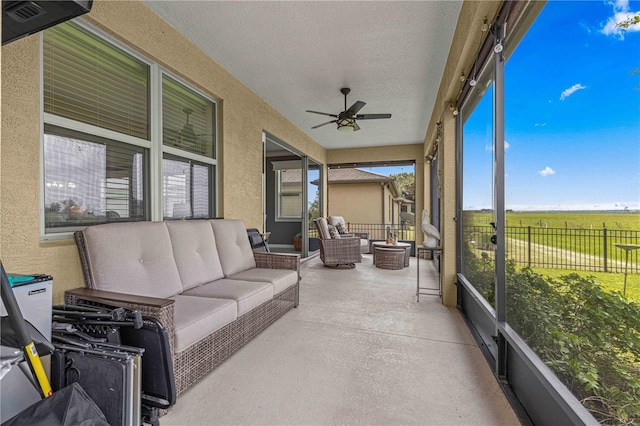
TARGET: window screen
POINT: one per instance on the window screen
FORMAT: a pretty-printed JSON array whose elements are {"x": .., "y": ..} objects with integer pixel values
[{"x": 91, "y": 180}]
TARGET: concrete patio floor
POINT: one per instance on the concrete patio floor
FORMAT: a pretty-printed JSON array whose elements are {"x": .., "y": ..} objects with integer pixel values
[{"x": 358, "y": 350}]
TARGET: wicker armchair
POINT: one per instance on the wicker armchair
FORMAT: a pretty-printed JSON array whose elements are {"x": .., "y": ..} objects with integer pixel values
[
  {"x": 337, "y": 251},
  {"x": 341, "y": 226}
]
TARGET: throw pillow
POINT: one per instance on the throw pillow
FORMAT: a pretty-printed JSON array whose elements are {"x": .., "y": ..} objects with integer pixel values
[
  {"x": 341, "y": 229},
  {"x": 333, "y": 232}
]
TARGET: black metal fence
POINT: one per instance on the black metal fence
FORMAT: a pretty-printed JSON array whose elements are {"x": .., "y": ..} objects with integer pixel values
[
  {"x": 595, "y": 250},
  {"x": 378, "y": 231}
]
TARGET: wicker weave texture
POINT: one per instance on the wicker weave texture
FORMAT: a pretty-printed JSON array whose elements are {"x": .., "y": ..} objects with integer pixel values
[
  {"x": 389, "y": 258},
  {"x": 277, "y": 261},
  {"x": 196, "y": 361},
  {"x": 340, "y": 251}
]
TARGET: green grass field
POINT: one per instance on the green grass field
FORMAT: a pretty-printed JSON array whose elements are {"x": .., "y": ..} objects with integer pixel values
[
  {"x": 579, "y": 232},
  {"x": 558, "y": 234},
  {"x": 575, "y": 220}
]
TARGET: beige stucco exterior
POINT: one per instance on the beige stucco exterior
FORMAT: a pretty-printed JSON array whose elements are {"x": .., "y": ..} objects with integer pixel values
[
  {"x": 243, "y": 118},
  {"x": 365, "y": 202},
  {"x": 382, "y": 154}
]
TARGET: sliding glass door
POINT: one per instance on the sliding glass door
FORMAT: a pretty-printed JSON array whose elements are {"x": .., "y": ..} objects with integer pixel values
[{"x": 292, "y": 194}]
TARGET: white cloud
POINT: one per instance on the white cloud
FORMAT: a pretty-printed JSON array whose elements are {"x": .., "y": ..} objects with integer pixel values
[
  {"x": 490, "y": 147},
  {"x": 547, "y": 171},
  {"x": 574, "y": 207},
  {"x": 571, "y": 90},
  {"x": 621, "y": 13},
  {"x": 539, "y": 124}
]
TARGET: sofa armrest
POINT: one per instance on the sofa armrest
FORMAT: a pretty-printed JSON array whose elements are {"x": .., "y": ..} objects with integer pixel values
[
  {"x": 160, "y": 309},
  {"x": 362, "y": 235},
  {"x": 277, "y": 261}
]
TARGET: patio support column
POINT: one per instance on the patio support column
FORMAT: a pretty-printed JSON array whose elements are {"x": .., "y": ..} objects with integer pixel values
[{"x": 447, "y": 172}]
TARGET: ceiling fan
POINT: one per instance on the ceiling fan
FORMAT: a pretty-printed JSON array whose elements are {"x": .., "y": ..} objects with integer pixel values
[{"x": 346, "y": 120}]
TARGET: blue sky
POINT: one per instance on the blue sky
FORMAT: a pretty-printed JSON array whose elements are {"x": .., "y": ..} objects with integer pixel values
[
  {"x": 572, "y": 114},
  {"x": 389, "y": 170}
]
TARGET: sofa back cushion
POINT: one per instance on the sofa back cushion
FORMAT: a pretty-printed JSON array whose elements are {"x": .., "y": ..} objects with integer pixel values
[
  {"x": 233, "y": 246},
  {"x": 195, "y": 252},
  {"x": 133, "y": 258}
]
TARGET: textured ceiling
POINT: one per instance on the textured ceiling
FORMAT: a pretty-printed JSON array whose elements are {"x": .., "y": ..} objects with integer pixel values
[{"x": 298, "y": 54}]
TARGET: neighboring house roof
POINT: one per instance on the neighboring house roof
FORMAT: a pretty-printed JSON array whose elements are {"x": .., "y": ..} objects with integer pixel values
[
  {"x": 404, "y": 200},
  {"x": 353, "y": 175}
]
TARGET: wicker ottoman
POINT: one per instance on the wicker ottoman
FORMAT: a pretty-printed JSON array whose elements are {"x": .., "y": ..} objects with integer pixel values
[{"x": 389, "y": 258}]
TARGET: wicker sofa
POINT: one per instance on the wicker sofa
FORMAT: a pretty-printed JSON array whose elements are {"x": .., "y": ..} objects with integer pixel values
[{"x": 199, "y": 278}]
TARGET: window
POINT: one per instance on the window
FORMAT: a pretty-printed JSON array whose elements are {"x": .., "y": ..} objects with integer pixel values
[
  {"x": 91, "y": 180},
  {"x": 542, "y": 280},
  {"x": 477, "y": 252},
  {"x": 186, "y": 188},
  {"x": 98, "y": 141},
  {"x": 289, "y": 186},
  {"x": 572, "y": 197},
  {"x": 188, "y": 135},
  {"x": 188, "y": 119}
]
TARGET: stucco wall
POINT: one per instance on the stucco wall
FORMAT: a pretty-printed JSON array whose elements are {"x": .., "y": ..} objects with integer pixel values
[
  {"x": 357, "y": 203},
  {"x": 244, "y": 116},
  {"x": 382, "y": 154}
]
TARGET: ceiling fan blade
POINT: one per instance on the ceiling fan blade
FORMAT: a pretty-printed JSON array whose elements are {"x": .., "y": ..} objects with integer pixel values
[
  {"x": 355, "y": 126},
  {"x": 323, "y": 113},
  {"x": 324, "y": 124},
  {"x": 353, "y": 110},
  {"x": 372, "y": 116}
]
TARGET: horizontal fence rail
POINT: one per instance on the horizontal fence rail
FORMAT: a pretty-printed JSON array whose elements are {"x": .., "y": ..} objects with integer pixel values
[
  {"x": 563, "y": 248},
  {"x": 378, "y": 231}
]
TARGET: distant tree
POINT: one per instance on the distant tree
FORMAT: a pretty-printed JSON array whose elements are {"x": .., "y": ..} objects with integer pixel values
[
  {"x": 314, "y": 207},
  {"x": 406, "y": 184},
  {"x": 632, "y": 20},
  {"x": 53, "y": 208}
]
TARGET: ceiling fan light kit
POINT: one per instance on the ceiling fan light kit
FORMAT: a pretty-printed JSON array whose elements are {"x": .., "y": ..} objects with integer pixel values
[
  {"x": 346, "y": 125},
  {"x": 346, "y": 120}
]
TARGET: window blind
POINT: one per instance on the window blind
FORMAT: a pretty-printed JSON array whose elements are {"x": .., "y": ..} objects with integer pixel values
[
  {"x": 186, "y": 188},
  {"x": 88, "y": 80},
  {"x": 187, "y": 119}
]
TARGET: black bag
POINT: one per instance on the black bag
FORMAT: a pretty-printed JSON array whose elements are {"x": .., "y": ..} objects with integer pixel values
[{"x": 70, "y": 406}]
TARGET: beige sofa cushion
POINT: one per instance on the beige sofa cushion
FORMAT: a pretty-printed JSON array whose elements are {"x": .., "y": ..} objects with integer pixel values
[
  {"x": 195, "y": 251},
  {"x": 281, "y": 279},
  {"x": 197, "y": 317},
  {"x": 134, "y": 258},
  {"x": 233, "y": 246},
  {"x": 247, "y": 294}
]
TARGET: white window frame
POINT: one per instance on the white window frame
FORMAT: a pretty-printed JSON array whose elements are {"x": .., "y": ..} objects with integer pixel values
[
  {"x": 279, "y": 193},
  {"x": 154, "y": 145}
]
